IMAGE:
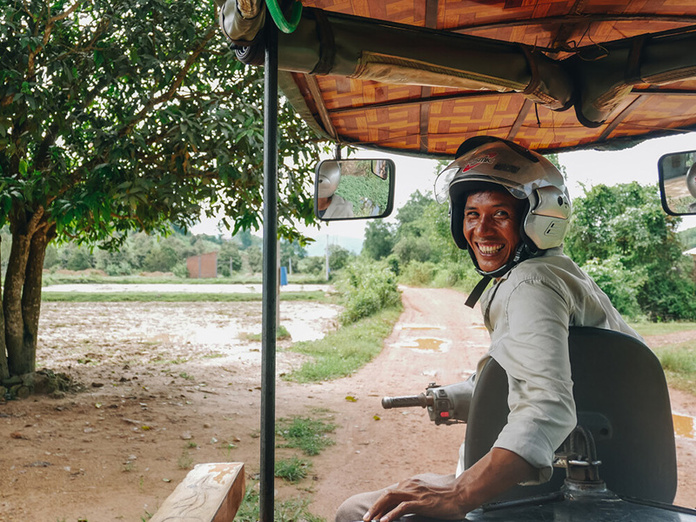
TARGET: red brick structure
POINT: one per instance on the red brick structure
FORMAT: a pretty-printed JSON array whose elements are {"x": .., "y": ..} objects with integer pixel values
[{"x": 203, "y": 266}]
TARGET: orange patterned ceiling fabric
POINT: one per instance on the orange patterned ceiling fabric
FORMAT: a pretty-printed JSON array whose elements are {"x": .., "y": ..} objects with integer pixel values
[{"x": 433, "y": 120}]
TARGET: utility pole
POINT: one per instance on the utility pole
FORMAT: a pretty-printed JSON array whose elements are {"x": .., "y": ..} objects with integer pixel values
[{"x": 326, "y": 257}]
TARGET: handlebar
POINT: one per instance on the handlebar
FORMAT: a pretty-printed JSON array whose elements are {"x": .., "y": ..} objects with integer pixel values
[
  {"x": 446, "y": 404},
  {"x": 408, "y": 401}
]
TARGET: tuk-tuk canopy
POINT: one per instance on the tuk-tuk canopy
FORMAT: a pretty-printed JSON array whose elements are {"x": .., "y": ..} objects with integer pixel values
[{"x": 421, "y": 76}]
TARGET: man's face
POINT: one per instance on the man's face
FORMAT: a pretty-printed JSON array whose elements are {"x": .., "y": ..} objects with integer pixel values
[{"x": 492, "y": 227}]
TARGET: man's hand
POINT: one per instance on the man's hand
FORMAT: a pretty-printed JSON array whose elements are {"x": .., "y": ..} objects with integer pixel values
[
  {"x": 435, "y": 496},
  {"x": 441, "y": 496}
]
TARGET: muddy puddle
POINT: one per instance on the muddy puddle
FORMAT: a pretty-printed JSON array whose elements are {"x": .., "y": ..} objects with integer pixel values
[{"x": 684, "y": 426}]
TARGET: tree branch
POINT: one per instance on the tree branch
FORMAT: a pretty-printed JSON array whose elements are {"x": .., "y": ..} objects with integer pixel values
[
  {"x": 48, "y": 29},
  {"x": 176, "y": 84},
  {"x": 67, "y": 13}
]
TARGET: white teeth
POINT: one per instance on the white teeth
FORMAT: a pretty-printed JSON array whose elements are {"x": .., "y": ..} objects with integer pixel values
[{"x": 490, "y": 249}]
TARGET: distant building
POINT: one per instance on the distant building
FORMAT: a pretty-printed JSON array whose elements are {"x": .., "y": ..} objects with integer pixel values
[{"x": 203, "y": 266}]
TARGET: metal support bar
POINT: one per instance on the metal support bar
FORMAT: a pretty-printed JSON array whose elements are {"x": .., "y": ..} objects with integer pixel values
[{"x": 270, "y": 275}]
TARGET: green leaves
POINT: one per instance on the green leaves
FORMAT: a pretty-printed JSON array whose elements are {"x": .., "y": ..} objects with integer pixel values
[
  {"x": 621, "y": 236},
  {"x": 131, "y": 115}
]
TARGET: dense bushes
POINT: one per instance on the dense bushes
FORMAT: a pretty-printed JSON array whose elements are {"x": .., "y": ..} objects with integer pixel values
[
  {"x": 367, "y": 287},
  {"x": 618, "y": 234},
  {"x": 620, "y": 284},
  {"x": 420, "y": 248},
  {"x": 621, "y": 235}
]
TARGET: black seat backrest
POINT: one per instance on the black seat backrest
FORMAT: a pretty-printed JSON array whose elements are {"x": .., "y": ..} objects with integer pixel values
[{"x": 622, "y": 399}]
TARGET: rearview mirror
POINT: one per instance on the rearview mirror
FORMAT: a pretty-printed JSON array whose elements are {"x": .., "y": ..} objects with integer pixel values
[
  {"x": 677, "y": 173},
  {"x": 354, "y": 189}
]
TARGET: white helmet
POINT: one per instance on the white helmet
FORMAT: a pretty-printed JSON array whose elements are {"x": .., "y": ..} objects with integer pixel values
[
  {"x": 483, "y": 161},
  {"x": 328, "y": 179}
]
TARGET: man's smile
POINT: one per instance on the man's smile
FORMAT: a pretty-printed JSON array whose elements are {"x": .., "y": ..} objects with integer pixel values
[
  {"x": 492, "y": 227},
  {"x": 489, "y": 249}
]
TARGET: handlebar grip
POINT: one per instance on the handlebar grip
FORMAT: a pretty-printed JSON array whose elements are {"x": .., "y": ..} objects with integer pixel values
[{"x": 407, "y": 401}]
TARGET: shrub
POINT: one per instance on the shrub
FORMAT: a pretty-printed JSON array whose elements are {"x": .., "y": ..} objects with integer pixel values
[
  {"x": 411, "y": 248},
  {"x": 180, "y": 270},
  {"x": 293, "y": 469},
  {"x": 367, "y": 287},
  {"x": 668, "y": 298},
  {"x": 311, "y": 265},
  {"x": 620, "y": 284},
  {"x": 417, "y": 273},
  {"x": 449, "y": 274}
]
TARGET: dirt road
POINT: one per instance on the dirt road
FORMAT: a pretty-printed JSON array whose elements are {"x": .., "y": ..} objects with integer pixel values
[
  {"x": 171, "y": 385},
  {"x": 373, "y": 454}
]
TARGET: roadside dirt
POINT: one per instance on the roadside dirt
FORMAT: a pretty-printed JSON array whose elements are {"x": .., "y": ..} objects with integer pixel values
[{"x": 172, "y": 385}]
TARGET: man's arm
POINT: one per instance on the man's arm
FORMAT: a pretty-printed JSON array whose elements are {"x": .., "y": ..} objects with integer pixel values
[{"x": 496, "y": 472}]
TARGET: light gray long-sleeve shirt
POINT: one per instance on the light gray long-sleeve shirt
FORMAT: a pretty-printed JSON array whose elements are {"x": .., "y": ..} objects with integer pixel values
[{"x": 528, "y": 312}]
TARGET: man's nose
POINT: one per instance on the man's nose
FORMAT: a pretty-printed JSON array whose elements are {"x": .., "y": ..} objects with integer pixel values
[{"x": 485, "y": 225}]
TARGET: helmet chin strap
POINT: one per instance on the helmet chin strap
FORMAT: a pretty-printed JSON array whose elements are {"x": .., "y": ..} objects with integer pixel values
[{"x": 522, "y": 252}]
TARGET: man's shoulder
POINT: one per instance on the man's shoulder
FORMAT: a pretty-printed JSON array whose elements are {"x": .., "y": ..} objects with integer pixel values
[
  {"x": 551, "y": 264},
  {"x": 554, "y": 272}
]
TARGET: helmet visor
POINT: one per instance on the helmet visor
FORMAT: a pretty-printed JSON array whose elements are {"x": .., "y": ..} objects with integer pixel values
[{"x": 520, "y": 182}]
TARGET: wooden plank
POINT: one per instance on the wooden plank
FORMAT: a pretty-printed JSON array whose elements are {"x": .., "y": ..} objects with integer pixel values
[
  {"x": 210, "y": 493},
  {"x": 313, "y": 87}
]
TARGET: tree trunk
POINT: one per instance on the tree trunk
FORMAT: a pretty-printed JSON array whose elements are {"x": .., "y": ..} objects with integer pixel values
[
  {"x": 4, "y": 370},
  {"x": 19, "y": 332},
  {"x": 31, "y": 297}
]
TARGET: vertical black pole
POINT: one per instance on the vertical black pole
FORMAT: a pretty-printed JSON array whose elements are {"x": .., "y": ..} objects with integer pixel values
[{"x": 270, "y": 275}]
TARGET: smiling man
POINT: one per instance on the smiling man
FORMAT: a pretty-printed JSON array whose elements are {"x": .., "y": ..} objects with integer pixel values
[
  {"x": 492, "y": 227},
  {"x": 509, "y": 208}
]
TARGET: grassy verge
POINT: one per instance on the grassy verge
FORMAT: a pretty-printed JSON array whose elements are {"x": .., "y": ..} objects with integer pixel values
[
  {"x": 308, "y": 434},
  {"x": 677, "y": 360},
  {"x": 282, "y": 334},
  {"x": 646, "y": 329},
  {"x": 292, "y": 510},
  {"x": 176, "y": 297},
  {"x": 679, "y": 363},
  {"x": 97, "y": 277},
  {"x": 343, "y": 351}
]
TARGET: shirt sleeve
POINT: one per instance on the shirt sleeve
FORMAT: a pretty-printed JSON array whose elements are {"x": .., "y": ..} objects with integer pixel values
[{"x": 533, "y": 350}]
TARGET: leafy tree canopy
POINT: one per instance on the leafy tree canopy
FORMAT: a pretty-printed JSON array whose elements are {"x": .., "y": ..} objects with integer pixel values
[
  {"x": 379, "y": 240},
  {"x": 688, "y": 238},
  {"x": 626, "y": 223},
  {"x": 121, "y": 115},
  {"x": 127, "y": 114}
]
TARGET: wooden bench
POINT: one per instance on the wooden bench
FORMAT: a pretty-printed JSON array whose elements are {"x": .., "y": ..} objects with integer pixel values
[{"x": 209, "y": 493}]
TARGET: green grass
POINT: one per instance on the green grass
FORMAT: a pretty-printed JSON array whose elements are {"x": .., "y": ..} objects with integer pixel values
[
  {"x": 95, "y": 277},
  {"x": 175, "y": 297},
  {"x": 308, "y": 435},
  {"x": 293, "y": 469},
  {"x": 646, "y": 329},
  {"x": 345, "y": 350},
  {"x": 677, "y": 360},
  {"x": 679, "y": 363},
  {"x": 293, "y": 510},
  {"x": 281, "y": 334}
]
